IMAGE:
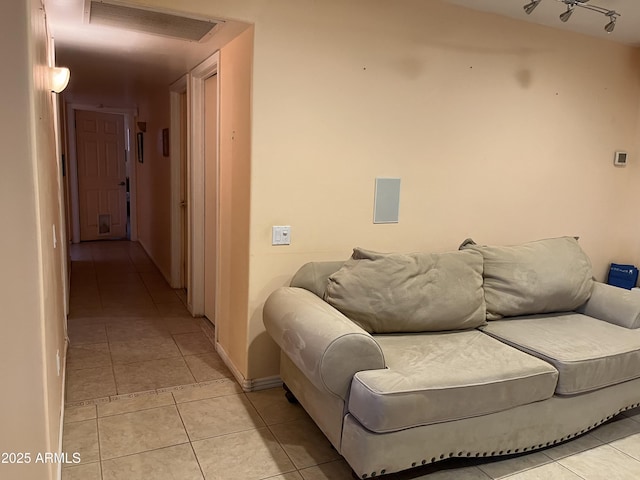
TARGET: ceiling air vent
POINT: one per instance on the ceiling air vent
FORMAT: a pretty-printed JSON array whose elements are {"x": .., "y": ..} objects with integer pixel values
[{"x": 148, "y": 21}]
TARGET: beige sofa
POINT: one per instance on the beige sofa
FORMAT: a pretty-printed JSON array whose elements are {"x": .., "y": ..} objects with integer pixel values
[{"x": 405, "y": 360}]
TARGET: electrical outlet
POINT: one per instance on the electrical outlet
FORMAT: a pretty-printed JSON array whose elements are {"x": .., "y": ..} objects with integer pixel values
[
  {"x": 55, "y": 237},
  {"x": 58, "y": 361}
]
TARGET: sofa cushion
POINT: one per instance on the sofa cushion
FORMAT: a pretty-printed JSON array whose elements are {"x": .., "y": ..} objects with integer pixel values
[
  {"x": 552, "y": 275},
  {"x": 613, "y": 305},
  {"x": 313, "y": 276},
  {"x": 588, "y": 353},
  {"x": 415, "y": 292},
  {"x": 438, "y": 377}
]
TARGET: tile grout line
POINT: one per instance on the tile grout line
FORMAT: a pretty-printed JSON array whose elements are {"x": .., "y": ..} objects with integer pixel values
[
  {"x": 190, "y": 369},
  {"x": 512, "y": 456},
  {"x": 145, "y": 451},
  {"x": 132, "y": 395},
  {"x": 571, "y": 470},
  {"x": 113, "y": 369},
  {"x": 195, "y": 455},
  {"x": 99, "y": 445},
  {"x": 620, "y": 451},
  {"x": 149, "y": 450},
  {"x": 284, "y": 450},
  {"x": 630, "y": 418}
]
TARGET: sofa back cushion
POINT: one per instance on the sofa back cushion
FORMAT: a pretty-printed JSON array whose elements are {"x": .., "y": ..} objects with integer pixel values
[
  {"x": 313, "y": 276},
  {"x": 545, "y": 276},
  {"x": 416, "y": 292}
]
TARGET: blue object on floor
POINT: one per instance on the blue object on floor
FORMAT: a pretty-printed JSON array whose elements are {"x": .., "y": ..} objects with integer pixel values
[{"x": 624, "y": 276}]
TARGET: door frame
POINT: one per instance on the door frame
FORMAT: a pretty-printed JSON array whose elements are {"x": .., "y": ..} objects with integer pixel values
[
  {"x": 195, "y": 167},
  {"x": 178, "y": 88},
  {"x": 129, "y": 114}
]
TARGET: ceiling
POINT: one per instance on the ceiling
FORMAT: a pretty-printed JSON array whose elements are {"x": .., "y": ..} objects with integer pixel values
[
  {"x": 112, "y": 55},
  {"x": 101, "y": 54}
]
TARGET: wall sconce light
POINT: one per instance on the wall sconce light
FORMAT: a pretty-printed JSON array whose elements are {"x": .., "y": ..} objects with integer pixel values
[
  {"x": 59, "y": 78},
  {"x": 572, "y": 4}
]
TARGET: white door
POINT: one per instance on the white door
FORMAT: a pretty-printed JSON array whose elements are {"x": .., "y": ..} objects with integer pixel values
[
  {"x": 210, "y": 193},
  {"x": 102, "y": 188}
]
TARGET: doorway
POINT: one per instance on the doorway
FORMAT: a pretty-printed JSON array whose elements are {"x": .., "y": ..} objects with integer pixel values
[
  {"x": 102, "y": 136},
  {"x": 179, "y": 132},
  {"x": 210, "y": 194},
  {"x": 202, "y": 245},
  {"x": 102, "y": 177}
]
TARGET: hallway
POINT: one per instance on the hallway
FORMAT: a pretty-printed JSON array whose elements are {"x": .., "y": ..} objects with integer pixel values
[
  {"x": 129, "y": 331},
  {"x": 147, "y": 396}
]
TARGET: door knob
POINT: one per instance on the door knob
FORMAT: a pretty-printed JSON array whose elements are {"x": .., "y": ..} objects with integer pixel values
[{"x": 122, "y": 183}]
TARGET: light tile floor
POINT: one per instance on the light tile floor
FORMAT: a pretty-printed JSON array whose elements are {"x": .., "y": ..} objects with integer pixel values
[{"x": 148, "y": 398}]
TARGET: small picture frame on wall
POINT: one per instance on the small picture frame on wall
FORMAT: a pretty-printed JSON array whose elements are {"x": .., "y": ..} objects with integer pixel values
[
  {"x": 165, "y": 142},
  {"x": 140, "y": 144}
]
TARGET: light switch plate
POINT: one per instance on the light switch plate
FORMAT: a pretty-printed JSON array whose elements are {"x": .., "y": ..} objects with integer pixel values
[{"x": 281, "y": 235}]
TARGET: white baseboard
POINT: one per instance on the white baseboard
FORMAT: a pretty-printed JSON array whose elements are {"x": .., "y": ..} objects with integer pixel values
[
  {"x": 248, "y": 385},
  {"x": 265, "y": 383}
]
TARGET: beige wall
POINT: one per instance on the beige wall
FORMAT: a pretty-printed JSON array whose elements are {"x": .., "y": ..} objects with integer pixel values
[
  {"x": 154, "y": 178},
  {"x": 52, "y": 251},
  {"x": 235, "y": 179},
  {"x": 500, "y": 130},
  {"x": 31, "y": 286}
]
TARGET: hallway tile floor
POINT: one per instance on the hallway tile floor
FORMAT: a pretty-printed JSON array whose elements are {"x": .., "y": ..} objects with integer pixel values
[
  {"x": 149, "y": 398},
  {"x": 129, "y": 331}
]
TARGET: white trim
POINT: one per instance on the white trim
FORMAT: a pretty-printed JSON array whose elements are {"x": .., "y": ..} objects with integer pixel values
[
  {"x": 62, "y": 407},
  {"x": 265, "y": 383},
  {"x": 176, "y": 90},
  {"x": 61, "y": 232},
  {"x": 72, "y": 171},
  {"x": 129, "y": 114},
  {"x": 196, "y": 202}
]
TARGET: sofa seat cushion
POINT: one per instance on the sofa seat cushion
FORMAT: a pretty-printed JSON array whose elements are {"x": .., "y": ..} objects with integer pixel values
[
  {"x": 588, "y": 353},
  {"x": 438, "y": 377}
]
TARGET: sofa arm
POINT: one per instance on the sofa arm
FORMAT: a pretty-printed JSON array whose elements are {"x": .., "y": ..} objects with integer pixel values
[
  {"x": 614, "y": 305},
  {"x": 324, "y": 344}
]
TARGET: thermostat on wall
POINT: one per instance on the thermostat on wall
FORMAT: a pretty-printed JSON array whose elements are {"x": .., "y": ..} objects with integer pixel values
[{"x": 620, "y": 159}]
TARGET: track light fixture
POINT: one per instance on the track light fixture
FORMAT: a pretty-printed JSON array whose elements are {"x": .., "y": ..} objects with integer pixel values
[
  {"x": 530, "y": 7},
  {"x": 572, "y": 4},
  {"x": 610, "y": 26},
  {"x": 564, "y": 16}
]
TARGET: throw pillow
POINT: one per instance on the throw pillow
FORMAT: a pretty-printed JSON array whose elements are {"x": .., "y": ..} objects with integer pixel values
[
  {"x": 545, "y": 276},
  {"x": 416, "y": 292}
]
